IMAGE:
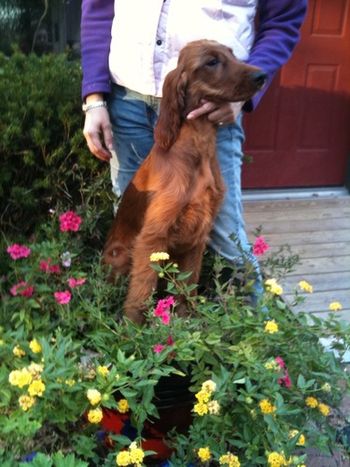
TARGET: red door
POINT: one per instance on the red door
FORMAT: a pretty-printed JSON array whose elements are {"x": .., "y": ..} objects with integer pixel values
[{"x": 299, "y": 136}]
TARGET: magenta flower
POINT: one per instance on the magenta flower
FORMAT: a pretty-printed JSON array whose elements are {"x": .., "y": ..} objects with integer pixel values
[
  {"x": 17, "y": 251},
  {"x": 23, "y": 289},
  {"x": 46, "y": 266},
  {"x": 63, "y": 297},
  {"x": 69, "y": 221},
  {"x": 280, "y": 362},
  {"x": 166, "y": 318},
  {"x": 163, "y": 306},
  {"x": 285, "y": 380},
  {"x": 75, "y": 282},
  {"x": 158, "y": 348},
  {"x": 170, "y": 340},
  {"x": 260, "y": 246}
]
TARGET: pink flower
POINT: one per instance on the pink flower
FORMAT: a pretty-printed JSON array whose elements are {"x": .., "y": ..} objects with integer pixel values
[
  {"x": 280, "y": 362},
  {"x": 285, "y": 380},
  {"x": 46, "y": 266},
  {"x": 17, "y": 251},
  {"x": 260, "y": 246},
  {"x": 23, "y": 289},
  {"x": 166, "y": 318},
  {"x": 69, "y": 221},
  {"x": 75, "y": 282},
  {"x": 63, "y": 297},
  {"x": 162, "y": 309},
  {"x": 158, "y": 348}
]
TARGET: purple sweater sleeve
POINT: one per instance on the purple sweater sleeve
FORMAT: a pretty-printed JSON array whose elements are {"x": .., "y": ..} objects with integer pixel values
[
  {"x": 96, "y": 25},
  {"x": 278, "y": 32}
]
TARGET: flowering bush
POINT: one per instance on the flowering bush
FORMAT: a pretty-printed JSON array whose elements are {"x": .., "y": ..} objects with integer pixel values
[{"x": 70, "y": 361}]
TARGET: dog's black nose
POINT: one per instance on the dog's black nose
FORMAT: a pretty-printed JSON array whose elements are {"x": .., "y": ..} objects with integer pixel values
[{"x": 259, "y": 78}]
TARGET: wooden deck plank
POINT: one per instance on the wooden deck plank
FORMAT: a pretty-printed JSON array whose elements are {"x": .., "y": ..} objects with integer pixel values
[
  {"x": 319, "y": 302},
  {"x": 290, "y": 205},
  {"x": 320, "y": 282},
  {"x": 318, "y": 230}
]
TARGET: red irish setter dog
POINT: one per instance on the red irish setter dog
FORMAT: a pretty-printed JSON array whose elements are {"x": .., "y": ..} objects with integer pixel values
[{"x": 172, "y": 200}]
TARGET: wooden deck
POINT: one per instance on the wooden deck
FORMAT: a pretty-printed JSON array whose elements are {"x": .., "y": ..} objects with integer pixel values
[{"x": 318, "y": 229}]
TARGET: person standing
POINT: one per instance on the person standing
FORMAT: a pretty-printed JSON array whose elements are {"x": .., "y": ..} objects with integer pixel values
[{"x": 128, "y": 47}]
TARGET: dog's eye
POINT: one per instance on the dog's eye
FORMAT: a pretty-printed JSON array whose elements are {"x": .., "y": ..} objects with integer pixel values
[{"x": 212, "y": 62}]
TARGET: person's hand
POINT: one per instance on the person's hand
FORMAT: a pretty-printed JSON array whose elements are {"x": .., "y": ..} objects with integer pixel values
[
  {"x": 219, "y": 114},
  {"x": 98, "y": 133}
]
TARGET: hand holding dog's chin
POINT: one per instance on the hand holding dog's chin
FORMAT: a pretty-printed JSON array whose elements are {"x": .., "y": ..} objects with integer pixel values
[{"x": 224, "y": 114}]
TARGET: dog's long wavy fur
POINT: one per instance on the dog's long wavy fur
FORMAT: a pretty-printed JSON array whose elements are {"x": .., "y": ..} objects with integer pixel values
[{"x": 171, "y": 202}]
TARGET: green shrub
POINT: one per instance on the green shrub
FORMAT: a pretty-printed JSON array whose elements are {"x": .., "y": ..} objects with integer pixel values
[
  {"x": 259, "y": 414},
  {"x": 43, "y": 156}
]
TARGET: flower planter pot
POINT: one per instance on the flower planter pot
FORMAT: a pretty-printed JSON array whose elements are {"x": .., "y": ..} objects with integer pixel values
[{"x": 174, "y": 402}]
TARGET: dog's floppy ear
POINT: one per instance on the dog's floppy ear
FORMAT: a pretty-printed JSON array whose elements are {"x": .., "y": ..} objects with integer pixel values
[{"x": 172, "y": 108}]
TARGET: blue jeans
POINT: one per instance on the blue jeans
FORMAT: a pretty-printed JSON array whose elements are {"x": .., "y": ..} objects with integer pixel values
[{"x": 133, "y": 117}]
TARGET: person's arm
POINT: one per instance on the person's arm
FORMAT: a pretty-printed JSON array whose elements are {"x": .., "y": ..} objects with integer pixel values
[
  {"x": 278, "y": 32},
  {"x": 95, "y": 33},
  {"x": 96, "y": 24}
]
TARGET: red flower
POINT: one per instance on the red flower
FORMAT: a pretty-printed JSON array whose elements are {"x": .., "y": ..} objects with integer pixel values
[
  {"x": 17, "y": 251},
  {"x": 285, "y": 380},
  {"x": 158, "y": 348},
  {"x": 69, "y": 221},
  {"x": 75, "y": 282},
  {"x": 260, "y": 246},
  {"x": 23, "y": 289},
  {"x": 280, "y": 362},
  {"x": 46, "y": 266},
  {"x": 170, "y": 340},
  {"x": 63, "y": 297}
]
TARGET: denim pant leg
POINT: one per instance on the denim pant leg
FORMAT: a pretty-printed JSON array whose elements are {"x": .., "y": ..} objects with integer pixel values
[
  {"x": 228, "y": 237},
  {"x": 133, "y": 121}
]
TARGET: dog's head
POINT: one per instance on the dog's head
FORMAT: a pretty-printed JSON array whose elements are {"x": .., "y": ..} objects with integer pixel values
[{"x": 205, "y": 70}]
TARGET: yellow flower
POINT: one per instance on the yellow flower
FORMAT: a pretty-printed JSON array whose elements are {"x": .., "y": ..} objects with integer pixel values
[
  {"x": 200, "y": 409},
  {"x": 209, "y": 386},
  {"x": 311, "y": 402},
  {"x": 26, "y": 402},
  {"x": 158, "y": 256},
  {"x": 214, "y": 407},
  {"x": 273, "y": 287},
  {"x": 35, "y": 346},
  {"x": 102, "y": 370},
  {"x": 275, "y": 459},
  {"x": 70, "y": 382},
  {"x": 324, "y": 409},
  {"x": 2, "y": 342},
  {"x": 203, "y": 396},
  {"x": 136, "y": 454},
  {"x": 305, "y": 286},
  {"x": 271, "y": 326},
  {"x": 335, "y": 306},
  {"x": 301, "y": 437},
  {"x": 266, "y": 407},
  {"x": 36, "y": 388},
  {"x": 20, "y": 378},
  {"x": 123, "y": 458},
  {"x": 272, "y": 365},
  {"x": 94, "y": 396},
  {"x": 326, "y": 387},
  {"x": 204, "y": 454},
  {"x": 230, "y": 460},
  {"x": 35, "y": 369},
  {"x": 18, "y": 351},
  {"x": 95, "y": 416},
  {"x": 123, "y": 406}
]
